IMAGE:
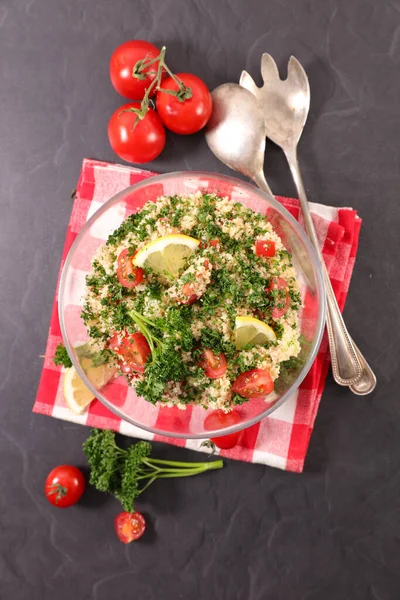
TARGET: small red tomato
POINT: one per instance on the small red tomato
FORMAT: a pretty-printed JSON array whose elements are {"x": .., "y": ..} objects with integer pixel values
[
  {"x": 128, "y": 275},
  {"x": 136, "y": 141},
  {"x": 123, "y": 62},
  {"x": 218, "y": 419},
  {"x": 132, "y": 349},
  {"x": 188, "y": 292},
  {"x": 64, "y": 486},
  {"x": 255, "y": 383},
  {"x": 184, "y": 116},
  {"x": 214, "y": 365},
  {"x": 281, "y": 296},
  {"x": 129, "y": 526},
  {"x": 265, "y": 248}
]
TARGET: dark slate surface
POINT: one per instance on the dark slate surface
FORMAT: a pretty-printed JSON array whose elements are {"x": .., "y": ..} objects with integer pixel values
[{"x": 248, "y": 532}]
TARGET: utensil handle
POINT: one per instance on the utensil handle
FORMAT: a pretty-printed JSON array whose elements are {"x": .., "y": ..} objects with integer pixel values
[
  {"x": 367, "y": 383},
  {"x": 346, "y": 365},
  {"x": 261, "y": 182}
]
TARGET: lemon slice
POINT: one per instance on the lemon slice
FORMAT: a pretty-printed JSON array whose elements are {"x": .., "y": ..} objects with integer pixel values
[
  {"x": 77, "y": 395},
  {"x": 167, "y": 254},
  {"x": 249, "y": 330}
]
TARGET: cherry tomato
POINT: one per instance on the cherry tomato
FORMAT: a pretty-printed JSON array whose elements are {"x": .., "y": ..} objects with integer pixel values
[
  {"x": 218, "y": 419},
  {"x": 187, "y": 116},
  {"x": 282, "y": 298},
  {"x": 128, "y": 275},
  {"x": 188, "y": 292},
  {"x": 137, "y": 143},
  {"x": 265, "y": 248},
  {"x": 64, "y": 486},
  {"x": 122, "y": 63},
  {"x": 129, "y": 526},
  {"x": 214, "y": 365},
  {"x": 255, "y": 383},
  {"x": 132, "y": 349}
]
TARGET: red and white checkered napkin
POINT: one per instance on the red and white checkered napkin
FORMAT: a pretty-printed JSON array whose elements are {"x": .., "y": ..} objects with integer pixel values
[{"x": 280, "y": 440}]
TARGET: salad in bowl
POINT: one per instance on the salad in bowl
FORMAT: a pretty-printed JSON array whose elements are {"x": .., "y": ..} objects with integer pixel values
[
  {"x": 198, "y": 296},
  {"x": 194, "y": 300}
]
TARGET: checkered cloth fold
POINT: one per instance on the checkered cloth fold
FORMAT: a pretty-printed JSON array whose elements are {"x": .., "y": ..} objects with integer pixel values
[{"x": 281, "y": 439}]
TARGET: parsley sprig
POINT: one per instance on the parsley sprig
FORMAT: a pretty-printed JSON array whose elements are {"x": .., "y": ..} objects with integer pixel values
[{"x": 125, "y": 474}]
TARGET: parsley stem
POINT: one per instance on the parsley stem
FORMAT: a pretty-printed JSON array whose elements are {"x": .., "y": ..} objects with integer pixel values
[{"x": 183, "y": 465}]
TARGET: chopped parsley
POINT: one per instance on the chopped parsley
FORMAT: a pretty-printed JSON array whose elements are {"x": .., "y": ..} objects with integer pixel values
[{"x": 61, "y": 357}]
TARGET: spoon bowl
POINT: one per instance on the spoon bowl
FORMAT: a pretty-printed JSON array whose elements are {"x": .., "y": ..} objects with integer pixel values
[{"x": 236, "y": 132}]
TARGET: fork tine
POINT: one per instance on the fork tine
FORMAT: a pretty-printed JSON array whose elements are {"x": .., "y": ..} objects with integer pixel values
[
  {"x": 269, "y": 70},
  {"x": 296, "y": 70},
  {"x": 247, "y": 82}
]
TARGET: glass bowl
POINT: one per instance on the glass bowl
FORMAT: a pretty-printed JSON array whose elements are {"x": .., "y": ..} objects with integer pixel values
[{"x": 116, "y": 395}]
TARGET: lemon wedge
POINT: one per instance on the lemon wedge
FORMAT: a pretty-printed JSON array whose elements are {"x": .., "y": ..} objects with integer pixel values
[
  {"x": 249, "y": 330},
  {"x": 167, "y": 254},
  {"x": 76, "y": 394}
]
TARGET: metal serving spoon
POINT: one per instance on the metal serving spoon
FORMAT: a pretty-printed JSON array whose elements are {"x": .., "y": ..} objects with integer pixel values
[
  {"x": 285, "y": 106},
  {"x": 236, "y": 135},
  {"x": 236, "y": 132}
]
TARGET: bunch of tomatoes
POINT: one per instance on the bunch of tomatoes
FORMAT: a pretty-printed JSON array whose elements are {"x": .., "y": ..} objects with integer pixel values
[{"x": 180, "y": 102}]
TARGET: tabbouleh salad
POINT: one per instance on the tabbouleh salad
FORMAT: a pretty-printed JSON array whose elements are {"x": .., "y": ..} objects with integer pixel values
[{"x": 195, "y": 300}]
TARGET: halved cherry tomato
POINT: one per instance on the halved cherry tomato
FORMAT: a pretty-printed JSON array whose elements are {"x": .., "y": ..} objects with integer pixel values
[
  {"x": 265, "y": 248},
  {"x": 128, "y": 275},
  {"x": 129, "y": 526},
  {"x": 188, "y": 292},
  {"x": 218, "y": 419},
  {"x": 122, "y": 63},
  {"x": 187, "y": 116},
  {"x": 255, "y": 383},
  {"x": 282, "y": 298},
  {"x": 214, "y": 365},
  {"x": 136, "y": 141},
  {"x": 64, "y": 486},
  {"x": 132, "y": 349}
]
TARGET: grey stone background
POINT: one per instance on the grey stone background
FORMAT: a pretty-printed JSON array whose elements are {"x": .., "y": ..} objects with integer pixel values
[{"x": 248, "y": 532}]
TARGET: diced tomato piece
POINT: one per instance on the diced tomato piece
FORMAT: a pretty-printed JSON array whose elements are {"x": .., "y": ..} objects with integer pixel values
[
  {"x": 188, "y": 291},
  {"x": 265, "y": 248},
  {"x": 132, "y": 349},
  {"x": 128, "y": 275},
  {"x": 255, "y": 383},
  {"x": 282, "y": 298},
  {"x": 214, "y": 365}
]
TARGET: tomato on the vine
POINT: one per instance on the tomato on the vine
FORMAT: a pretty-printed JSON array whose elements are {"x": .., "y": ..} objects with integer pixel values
[
  {"x": 184, "y": 116},
  {"x": 129, "y": 526},
  {"x": 126, "y": 74},
  {"x": 218, "y": 419},
  {"x": 64, "y": 486},
  {"x": 136, "y": 140}
]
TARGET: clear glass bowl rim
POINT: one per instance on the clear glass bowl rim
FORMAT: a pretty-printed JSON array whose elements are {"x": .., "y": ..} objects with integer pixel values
[{"x": 319, "y": 280}]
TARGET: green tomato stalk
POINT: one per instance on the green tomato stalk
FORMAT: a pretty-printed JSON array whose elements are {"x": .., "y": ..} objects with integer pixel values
[{"x": 183, "y": 93}]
